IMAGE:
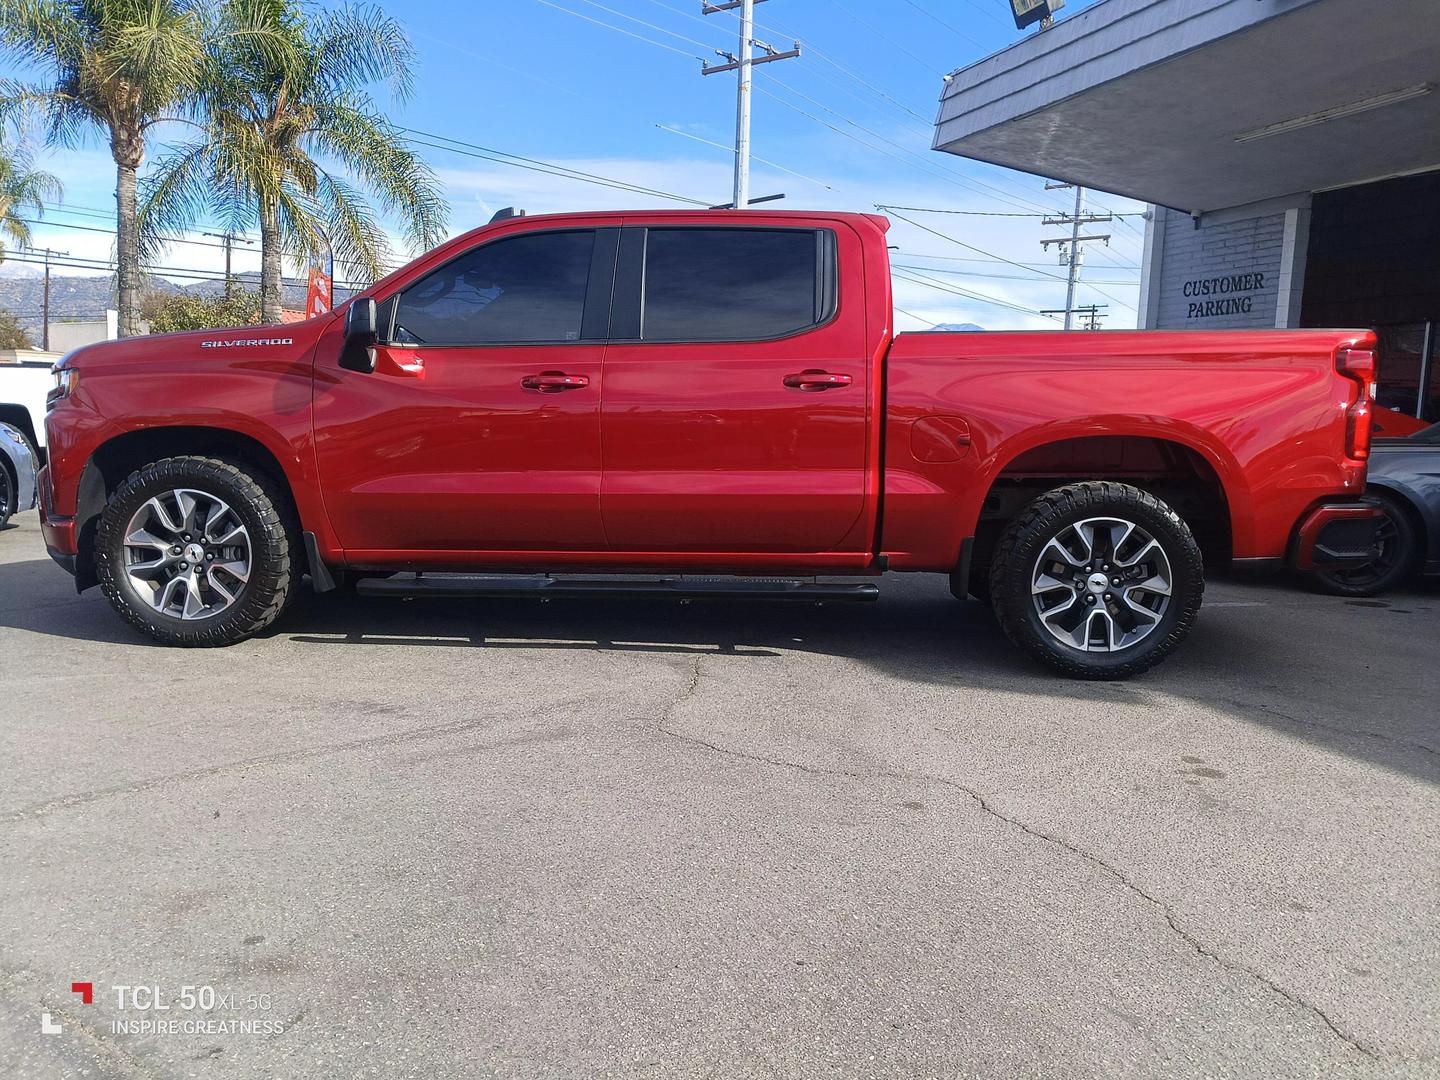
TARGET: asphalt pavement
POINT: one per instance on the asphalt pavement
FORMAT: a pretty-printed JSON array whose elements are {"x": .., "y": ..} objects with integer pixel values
[{"x": 633, "y": 838}]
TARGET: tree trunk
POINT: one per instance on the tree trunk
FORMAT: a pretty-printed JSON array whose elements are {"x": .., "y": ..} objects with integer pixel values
[
  {"x": 271, "y": 263},
  {"x": 128, "y": 149}
]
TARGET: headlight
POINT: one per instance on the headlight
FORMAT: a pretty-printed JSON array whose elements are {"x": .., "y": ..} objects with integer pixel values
[{"x": 66, "y": 379}]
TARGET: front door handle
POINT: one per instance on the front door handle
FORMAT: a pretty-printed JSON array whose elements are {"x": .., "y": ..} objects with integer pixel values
[
  {"x": 813, "y": 381},
  {"x": 554, "y": 382}
]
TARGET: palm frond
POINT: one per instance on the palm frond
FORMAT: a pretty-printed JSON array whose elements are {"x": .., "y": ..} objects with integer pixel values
[
  {"x": 378, "y": 155},
  {"x": 46, "y": 33},
  {"x": 356, "y": 238},
  {"x": 359, "y": 45},
  {"x": 174, "y": 197}
]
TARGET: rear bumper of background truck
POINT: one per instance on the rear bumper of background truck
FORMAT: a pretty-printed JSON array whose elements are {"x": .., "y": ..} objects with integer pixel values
[{"x": 1336, "y": 535}]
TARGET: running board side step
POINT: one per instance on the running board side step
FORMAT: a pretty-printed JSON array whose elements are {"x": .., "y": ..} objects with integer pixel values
[{"x": 569, "y": 588}]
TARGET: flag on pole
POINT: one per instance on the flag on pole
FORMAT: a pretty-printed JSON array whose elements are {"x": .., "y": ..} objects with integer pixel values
[{"x": 320, "y": 285}]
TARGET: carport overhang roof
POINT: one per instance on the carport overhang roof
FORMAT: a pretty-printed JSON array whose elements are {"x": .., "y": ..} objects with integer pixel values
[{"x": 1204, "y": 104}]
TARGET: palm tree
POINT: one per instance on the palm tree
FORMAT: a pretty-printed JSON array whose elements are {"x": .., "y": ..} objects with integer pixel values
[
  {"x": 276, "y": 120},
  {"x": 22, "y": 188},
  {"x": 119, "y": 65}
]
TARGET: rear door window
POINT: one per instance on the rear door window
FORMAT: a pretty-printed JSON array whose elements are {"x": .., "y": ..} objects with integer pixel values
[{"x": 735, "y": 284}]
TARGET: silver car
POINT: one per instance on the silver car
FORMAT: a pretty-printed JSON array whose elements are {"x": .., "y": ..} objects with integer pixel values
[{"x": 18, "y": 466}]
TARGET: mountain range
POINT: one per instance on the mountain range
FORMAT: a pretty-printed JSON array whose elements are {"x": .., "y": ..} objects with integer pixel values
[{"x": 88, "y": 297}]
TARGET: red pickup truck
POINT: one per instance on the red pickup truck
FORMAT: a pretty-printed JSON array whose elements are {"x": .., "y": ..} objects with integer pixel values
[{"x": 715, "y": 404}]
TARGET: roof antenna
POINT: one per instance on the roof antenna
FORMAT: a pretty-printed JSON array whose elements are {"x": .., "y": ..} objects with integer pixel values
[{"x": 506, "y": 214}]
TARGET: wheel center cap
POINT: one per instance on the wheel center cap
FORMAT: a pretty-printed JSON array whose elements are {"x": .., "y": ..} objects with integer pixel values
[
  {"x": 194, "y": 553},
  {"x": 1097, "y": 583}
]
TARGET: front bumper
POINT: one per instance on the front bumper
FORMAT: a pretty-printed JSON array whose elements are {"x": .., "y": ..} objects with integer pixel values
[
  {"x": 1337, "y": 535},
  {"x": 59, "y": 532}
]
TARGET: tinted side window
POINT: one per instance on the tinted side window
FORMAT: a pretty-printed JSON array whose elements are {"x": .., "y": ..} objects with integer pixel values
[
  {"x": 732, "y": 284},
  {"x": 522, "y": 289}
]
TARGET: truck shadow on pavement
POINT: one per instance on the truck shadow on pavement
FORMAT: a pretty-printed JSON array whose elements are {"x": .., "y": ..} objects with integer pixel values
[{"x": 1267, "y": 655}]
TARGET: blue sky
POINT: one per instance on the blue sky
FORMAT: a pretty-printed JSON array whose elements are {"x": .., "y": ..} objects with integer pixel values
[{"x": 613, "y": 88}]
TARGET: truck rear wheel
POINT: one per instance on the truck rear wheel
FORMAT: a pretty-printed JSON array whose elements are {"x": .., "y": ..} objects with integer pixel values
[
  {"x": 196, "y": 551},
  {"x": 1100, "y": 580}
]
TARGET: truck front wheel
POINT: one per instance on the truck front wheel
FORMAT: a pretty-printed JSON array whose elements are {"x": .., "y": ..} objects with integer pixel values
[
  {"x": 197, "y": 551},
  {"x": 1100, "y": 580}
]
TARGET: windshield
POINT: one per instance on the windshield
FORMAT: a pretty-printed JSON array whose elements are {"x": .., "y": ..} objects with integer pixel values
[{"x": 1430, "y": 434}]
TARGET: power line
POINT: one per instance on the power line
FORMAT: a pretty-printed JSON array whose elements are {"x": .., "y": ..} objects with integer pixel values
[
  {"x": 647, "y": 23},
  {"x": 997, "y": 277},
  {"x": 944, "y": 286},
  {"x": 968, "y": 247},
  {"x": 756, "y": 157},
  {"x": 961, "y": 258},
  {"x": 918, "y": 163},
  {"x": 620, "y": 30},
  {"x": 902, "y": 311},
  {"x": 929, "y": 68},
  {"x": 538, "y": 165},
  {"x": 76, "y": 262},
  {"x": 826, "y": 58},
  {"x": 948, "y": 177},
  {"x": 953, "y": 29}
]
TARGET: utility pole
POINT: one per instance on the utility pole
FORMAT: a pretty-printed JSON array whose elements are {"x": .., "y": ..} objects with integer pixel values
[
  {"x": 1091, "y": 313},
  {"x": 45, "y": 298},
  {"x": 228, "y": 238},
  {"x": 1072, "y": 252},
  {"x": 744, "y": 65}
]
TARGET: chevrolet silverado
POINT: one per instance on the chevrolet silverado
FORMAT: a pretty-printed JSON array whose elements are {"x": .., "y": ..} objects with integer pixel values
[{"x": 713, "y": 404}]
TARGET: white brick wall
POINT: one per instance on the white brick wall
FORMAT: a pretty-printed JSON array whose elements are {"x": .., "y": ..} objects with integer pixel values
[{"x": 1221, "y": 276}]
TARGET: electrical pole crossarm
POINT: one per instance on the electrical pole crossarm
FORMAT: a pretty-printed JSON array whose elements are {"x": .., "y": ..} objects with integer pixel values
[
  {"x": 715, "y": 69},
  {"x": 1063, "y": 240}
]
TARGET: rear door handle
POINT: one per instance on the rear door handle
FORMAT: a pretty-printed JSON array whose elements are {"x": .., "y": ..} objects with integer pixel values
[
  {"x": 814, "y": 381},
  {"x": 554, "y": 382}
]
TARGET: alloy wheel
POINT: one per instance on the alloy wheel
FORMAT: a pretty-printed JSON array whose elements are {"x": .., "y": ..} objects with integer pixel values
[
  {"x": 187, "y": 554},
  {"x": 1101, "y": 585}
]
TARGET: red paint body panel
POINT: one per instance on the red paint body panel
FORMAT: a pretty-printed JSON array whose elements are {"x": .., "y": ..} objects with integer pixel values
[
  {"x": 1265, "y": 409},
  {"x": 651, "y": 456},
  {"x": 706, "y": 448}
]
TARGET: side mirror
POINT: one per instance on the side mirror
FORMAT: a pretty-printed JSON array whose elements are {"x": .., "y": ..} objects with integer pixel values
[{"x": 361, "y": 333}]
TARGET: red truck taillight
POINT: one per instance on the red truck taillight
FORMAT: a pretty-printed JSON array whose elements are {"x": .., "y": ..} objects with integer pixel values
[{"x": 1358, "y": 365}]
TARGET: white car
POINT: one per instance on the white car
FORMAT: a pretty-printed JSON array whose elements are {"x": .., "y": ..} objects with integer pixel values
[{"x": 18, "y": 466}]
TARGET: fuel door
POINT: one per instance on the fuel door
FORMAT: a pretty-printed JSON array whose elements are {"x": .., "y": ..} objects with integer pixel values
[{"x": 939, "y": 438}]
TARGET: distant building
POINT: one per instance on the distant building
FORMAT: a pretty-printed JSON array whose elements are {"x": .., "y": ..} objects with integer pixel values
[
  {"x": 67, "y": 334},
  {"x": 1290, "y": 150}
]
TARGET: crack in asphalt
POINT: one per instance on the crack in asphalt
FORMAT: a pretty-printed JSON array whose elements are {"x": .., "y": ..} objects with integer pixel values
[
  {"x": 984, "y": 805},
  {"x": 113, "y": 1056},
  {"x": 1359, "y": 733},
  {"x": 66, "y": 802}
]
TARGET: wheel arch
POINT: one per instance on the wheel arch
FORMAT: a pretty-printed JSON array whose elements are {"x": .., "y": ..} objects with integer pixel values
[
  {"x": 1199, "y": 481},
  {"x": 116, "y": 458}
]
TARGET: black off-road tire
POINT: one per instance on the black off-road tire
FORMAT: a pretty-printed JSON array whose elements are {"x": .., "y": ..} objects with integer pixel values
[
  {"x": 276, "y": 554},
  {"x": 1404, "y": 547},
  {"x": 1025, "y": 538}
]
